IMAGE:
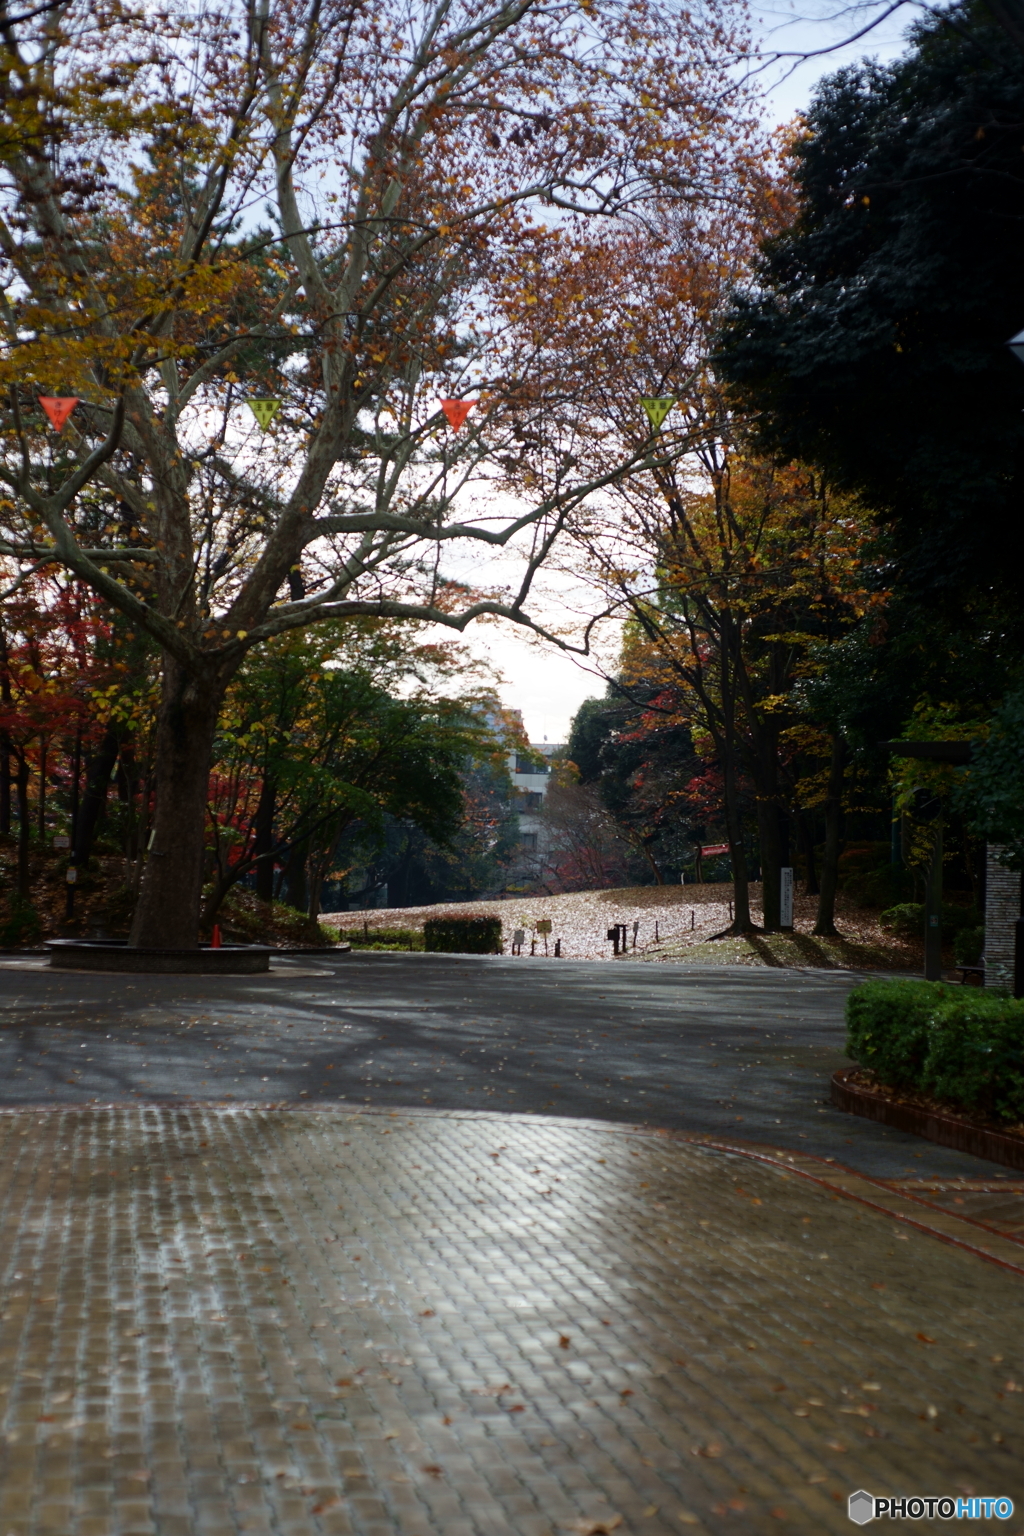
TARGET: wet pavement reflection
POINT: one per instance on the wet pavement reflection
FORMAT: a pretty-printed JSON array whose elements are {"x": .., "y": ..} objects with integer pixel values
[{"x": 430, "y": 1324}]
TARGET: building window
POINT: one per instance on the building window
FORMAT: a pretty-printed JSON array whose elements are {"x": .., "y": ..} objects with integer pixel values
[
  {"x": 526, "y": 765},
  {"x": 528, "y": 842},
  {"x": 531, "y": 800}
]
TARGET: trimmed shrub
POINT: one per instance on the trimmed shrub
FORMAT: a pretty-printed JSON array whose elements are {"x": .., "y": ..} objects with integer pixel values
[
  {"x": 463, "y": 934},
  {"x": 887, "y": 1027},
  {"x": 976, "y": 1055},
  {"x": 380, "y": 938},
  {"x": 968, "y": 945},
  {"x": 963, "y": 1047}
]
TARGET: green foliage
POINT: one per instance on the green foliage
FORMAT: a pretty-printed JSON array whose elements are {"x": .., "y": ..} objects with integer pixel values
[
  {"x": 991, "y": 794},
  {"x": 874, "y": 341},
  {"x": 638, "y": 760},
  {"x": 882, "y": 887},
  {"x": 342, "y": 753},
  {"x": 244, "y": 919},
  {"x": 23, "y": 925},
  {"x": 463, "y": 934},
  {"x": 906, "y": 920},
  {"x": 968, "y": 945},
  {"x": 975, "y": 1054},
  {"x": 868, "y": 876},
  {"x": 963, "y": 1046},
  {"x": 887, "y": 1027}
]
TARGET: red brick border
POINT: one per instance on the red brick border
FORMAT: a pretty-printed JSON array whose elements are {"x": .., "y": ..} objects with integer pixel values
[{"x": 946, "y": 1130}]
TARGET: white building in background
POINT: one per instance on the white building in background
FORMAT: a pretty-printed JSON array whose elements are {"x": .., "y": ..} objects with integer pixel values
[{"x": 532, "y": 780}]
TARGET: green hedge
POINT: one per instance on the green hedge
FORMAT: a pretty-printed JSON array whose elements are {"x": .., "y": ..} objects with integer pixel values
[
  {"x": 964, "y": 1047},
  {"x": 381, "y": 938},
  {"x": 887, "y": 1027},
  {"x": 463, "y": 934}
]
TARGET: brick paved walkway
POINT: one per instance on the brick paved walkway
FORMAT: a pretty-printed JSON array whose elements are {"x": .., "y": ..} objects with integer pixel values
[{"x": 232, "y": 1319}]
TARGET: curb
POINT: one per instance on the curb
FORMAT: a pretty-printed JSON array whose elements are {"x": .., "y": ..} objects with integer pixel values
[{"x": 945, "y": 1130}]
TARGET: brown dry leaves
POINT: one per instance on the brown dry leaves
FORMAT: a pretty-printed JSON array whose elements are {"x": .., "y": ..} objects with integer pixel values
[{"x": 581, "y": 920}]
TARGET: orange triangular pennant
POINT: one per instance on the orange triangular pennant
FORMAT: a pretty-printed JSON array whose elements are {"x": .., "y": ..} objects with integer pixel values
[
  {"x": 457, "y": 411},
  {"x": 58, "y": 408}
]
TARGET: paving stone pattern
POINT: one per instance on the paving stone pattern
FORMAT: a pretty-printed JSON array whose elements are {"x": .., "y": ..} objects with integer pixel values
[{"x": 241, "y": 1319}]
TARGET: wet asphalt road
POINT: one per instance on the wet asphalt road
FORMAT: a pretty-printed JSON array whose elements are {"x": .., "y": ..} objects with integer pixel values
[{"x": 744, "y": 1053}]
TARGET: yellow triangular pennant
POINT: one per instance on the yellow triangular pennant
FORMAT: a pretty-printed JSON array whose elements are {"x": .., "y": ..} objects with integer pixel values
[
  {"x": 657, "y": 409},
  {"x": 264, "y": 411}
]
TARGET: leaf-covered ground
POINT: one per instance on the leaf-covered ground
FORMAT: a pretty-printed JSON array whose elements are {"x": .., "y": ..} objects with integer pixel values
[{"x": 674, "y": 923}]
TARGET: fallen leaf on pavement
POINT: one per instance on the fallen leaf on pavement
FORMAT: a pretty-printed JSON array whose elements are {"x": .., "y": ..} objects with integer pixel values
[
  {"x": 926, "y": 1338},
  {"x": 334, "y": 1502},
  {"x": 712, "y": 1449},
  {"x": 563, "y": 1341}
]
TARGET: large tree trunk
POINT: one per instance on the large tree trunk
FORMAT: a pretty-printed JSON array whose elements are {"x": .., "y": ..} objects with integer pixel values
[
  {"x": 167, "y": 914},
  {"x": 5, "y": 783},
  {"x": 23, "y": 827},
  {"x": 295, "y": 890},
  {"x": 742, "y": 922},
  {"x": 263, "y": 840},
  {"x": 41, "y": 807},
  {"x": 805, "y": 827},
  {"x": 825, "y": 927},
  {"x": 98, "y": 768},
  {"x": 769, "y": 835},
  {"x": 5, "y": 742}
]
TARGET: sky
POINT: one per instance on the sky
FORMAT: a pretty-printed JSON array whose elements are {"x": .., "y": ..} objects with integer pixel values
[{"x": 544, "y": 683}]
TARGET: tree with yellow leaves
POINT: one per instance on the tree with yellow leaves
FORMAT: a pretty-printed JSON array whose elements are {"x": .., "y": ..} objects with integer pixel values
[
  {"x": 330, "y": 211},
  {"x": 732, "y": 587}
]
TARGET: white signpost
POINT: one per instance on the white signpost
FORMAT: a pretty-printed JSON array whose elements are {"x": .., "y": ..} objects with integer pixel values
[{"x": 785, "y": 898}]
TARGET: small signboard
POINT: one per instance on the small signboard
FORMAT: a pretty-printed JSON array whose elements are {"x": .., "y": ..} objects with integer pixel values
[
  {"x": 785, "y": 898},
  {"x": 72, "y": 875},
  {"x": 61, "y": 842},
  {"x": 518, "y": 938},
  {"x": 713, "y": 848},
  {"x": 544, "y": 925}
]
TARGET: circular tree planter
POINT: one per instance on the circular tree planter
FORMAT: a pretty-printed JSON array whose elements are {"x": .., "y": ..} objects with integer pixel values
[
  {"x": 115, "y": 955},
  {"x": 946, "y": 1129}
]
